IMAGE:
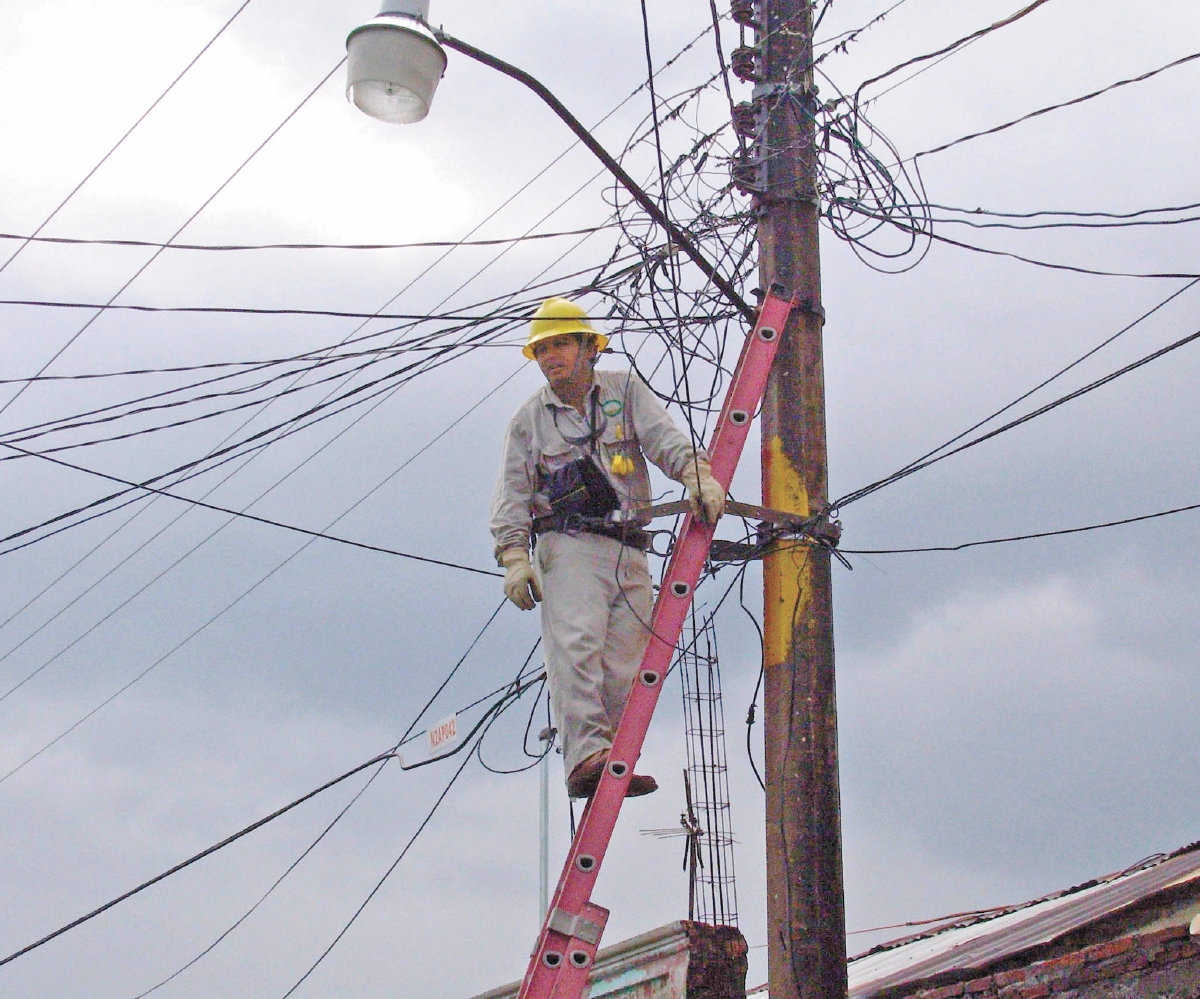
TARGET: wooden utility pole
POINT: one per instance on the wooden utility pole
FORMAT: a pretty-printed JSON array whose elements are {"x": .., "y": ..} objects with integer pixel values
[{"x": 805, "y": 908}]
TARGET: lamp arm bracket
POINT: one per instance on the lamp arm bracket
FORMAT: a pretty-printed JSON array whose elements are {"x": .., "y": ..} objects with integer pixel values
[{"x": 640, "y": 196}]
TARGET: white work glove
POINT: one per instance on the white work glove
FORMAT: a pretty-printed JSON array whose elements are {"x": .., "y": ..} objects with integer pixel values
[
  {"x": 705, "y": 493},
  {"x": 520, "y": 584}
]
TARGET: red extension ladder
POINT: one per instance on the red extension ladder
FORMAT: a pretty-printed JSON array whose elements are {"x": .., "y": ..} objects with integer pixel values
[{"x": 571, "y": 934}]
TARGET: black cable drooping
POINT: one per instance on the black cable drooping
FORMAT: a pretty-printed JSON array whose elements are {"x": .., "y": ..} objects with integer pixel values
[{"x": 1062, "y": 400}]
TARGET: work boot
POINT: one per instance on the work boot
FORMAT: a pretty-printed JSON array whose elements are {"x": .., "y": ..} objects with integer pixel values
[
  {"x": 640, "y": 784},
  {"x": 585, "y": 778},
  {"x": 586, "y": 775}
]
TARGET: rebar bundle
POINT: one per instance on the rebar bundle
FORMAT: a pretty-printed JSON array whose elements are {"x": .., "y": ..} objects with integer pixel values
[{"x": 712, "y": 894}]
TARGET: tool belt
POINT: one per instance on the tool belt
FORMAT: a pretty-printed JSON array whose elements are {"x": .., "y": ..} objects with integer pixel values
[{"x": 575, "y": 523}]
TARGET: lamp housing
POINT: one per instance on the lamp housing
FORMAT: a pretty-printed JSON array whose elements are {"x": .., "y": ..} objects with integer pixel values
[{"x": 394, "y": 63}]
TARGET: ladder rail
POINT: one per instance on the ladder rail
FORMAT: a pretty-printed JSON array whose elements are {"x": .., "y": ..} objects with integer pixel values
[{"x": 567, "y": 944}]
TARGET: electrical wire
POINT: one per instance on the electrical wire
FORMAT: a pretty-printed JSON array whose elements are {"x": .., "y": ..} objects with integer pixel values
[
  {"x": 426, "y": 342},
  {"x": 861, "y": 194},
  {"x": 34, "y": 237},
  {"x": 260, "y": 439},
  {"x": 840, "y": 42},
  {"x": 928, "y": 234},
  {"x": 1057, "y": 107},
  {"x": 945, "y": 50},
  {"x": 671, "y": 262},
  {"x": 212, "y": 489},
  {"x": 716, "y": 23},
  {"x": 364, "y": 359},
  {"x": 1070, "y": 396},
  {"x": 537, "y": 757},
  {"x": 1056, "y": 375},
  {"x": 213, "y": 534},
  {"x": 762, "y": 672},
  {"x": 148, "y": 404},
  {"x": 291, "y": 867},
  {"x": 246, "y": 516},
  {"x": 866, "y": 202},
  {"x": 228, "y": 247},
  {"x": 1115, "y": 220},
  {"x": 1024, "y": 537},
  {"x": 179, "y": 368},
  {"x": 323, "y": 353},
  {"x": 271, "y": 890},
  {"x": 380, "y": 758},
  {"x": 387, "y": 874},
  {"x": 191, "y": 218},
  {"x": 440, "y": 354},
  {"x": 924, "y": 69},
  {"x": 646, "y": 297},
  {"x": 232, "y": 310},
  {"x": 475, "y": 752},
  {"x": 1063, "y": 213},
  {"x": 185, "y": 641},
  {"x": 194, "y": 858},
  {"x": 139, "y": 676}
]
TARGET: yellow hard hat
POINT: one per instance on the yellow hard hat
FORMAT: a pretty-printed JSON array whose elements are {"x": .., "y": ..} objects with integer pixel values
[{"x": 556, "y": 316}]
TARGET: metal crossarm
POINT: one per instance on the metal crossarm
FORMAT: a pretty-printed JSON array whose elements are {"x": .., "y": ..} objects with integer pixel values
[{"x": 569, "y": 939}]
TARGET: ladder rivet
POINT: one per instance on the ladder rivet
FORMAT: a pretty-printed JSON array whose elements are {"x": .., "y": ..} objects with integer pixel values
[
  {"x": 617, "y": 768},
  {"x": 552, "y": 959},
  {"x": 579, "y": 958},
  {"x": 680, "y": 588},
  {"x": 767, "y": 333},
  {"x": 739, "y": 417},
  {"x": 649, "y": 677},
  {"x": 586, "y": 863}
]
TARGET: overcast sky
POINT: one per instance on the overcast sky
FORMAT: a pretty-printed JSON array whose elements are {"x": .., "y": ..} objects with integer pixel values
[{"x": 1013, "y": 719}]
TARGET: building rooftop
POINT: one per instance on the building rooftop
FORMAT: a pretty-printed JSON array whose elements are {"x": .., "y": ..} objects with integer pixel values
[{"x": 979, "y": 940}]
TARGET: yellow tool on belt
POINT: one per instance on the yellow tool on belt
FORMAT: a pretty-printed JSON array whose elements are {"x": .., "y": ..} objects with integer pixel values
[{"x": 622, "y": 464}]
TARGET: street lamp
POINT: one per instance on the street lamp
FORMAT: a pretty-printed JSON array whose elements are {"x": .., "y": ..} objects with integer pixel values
[{"x": 395, "y": 62}]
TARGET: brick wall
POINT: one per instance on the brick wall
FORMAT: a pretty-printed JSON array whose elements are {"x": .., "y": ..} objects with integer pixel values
[
  {"x": 717, "y": 961},
  {"x": 1165, "y": 965}
]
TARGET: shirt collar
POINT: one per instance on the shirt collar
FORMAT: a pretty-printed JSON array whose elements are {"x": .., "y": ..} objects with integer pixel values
[{"x": 551, "y": 398}]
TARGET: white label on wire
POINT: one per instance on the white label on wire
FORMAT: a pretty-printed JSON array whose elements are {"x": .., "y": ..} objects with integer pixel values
[{"x": 443, "y": 735}]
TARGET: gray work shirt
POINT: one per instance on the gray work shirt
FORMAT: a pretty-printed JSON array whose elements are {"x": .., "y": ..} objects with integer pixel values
[{"x": 635, "y": 424}]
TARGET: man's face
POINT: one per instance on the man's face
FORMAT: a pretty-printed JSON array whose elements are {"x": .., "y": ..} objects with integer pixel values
[{"x": 564, "y": 358}]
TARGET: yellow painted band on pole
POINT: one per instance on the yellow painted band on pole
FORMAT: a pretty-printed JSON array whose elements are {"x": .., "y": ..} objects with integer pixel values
[{"x": 786, "y": 588}]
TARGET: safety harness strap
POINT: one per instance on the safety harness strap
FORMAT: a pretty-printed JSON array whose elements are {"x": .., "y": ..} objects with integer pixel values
[{"x": 575, "y": 523}]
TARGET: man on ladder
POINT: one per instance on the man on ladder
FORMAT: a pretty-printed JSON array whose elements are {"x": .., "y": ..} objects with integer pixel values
[{"x": 574, "y": 461}]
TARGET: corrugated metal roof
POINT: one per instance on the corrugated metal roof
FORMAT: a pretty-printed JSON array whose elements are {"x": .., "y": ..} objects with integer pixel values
[{"x": 992, "y": 938}]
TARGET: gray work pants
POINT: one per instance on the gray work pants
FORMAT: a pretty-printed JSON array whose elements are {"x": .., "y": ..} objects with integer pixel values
[{"x": 596, "y": 605}]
